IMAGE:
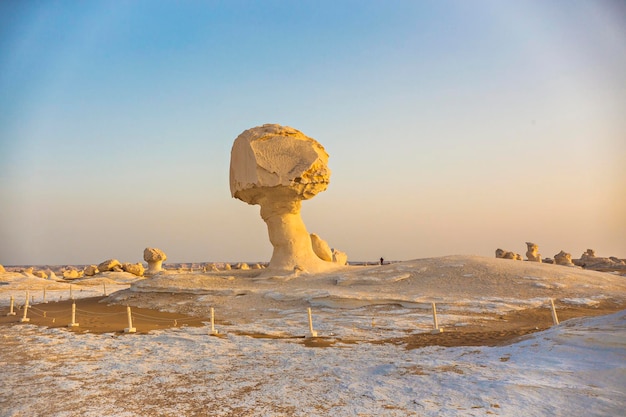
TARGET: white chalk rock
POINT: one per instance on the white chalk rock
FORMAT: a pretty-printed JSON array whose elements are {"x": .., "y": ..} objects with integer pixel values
[
  {"x": 2, "y": 270},
  {"x": 110, "y": 265},
  {"x": 321, "y": 248},
  {"x": 563, "y": 258},
  {"x": 504, "y": 254},
  {"x": 532, "y": 254},
  {"x": 135, "y": 269},
  {"x": 154, "y": 257},
  {"x": 41, "y": 274},
  {"x": 277, "y": 167},
  {"x": 71, "y": 274},
  {"x": 90, "y": 270},
  {"x": 339, "y": 257}
]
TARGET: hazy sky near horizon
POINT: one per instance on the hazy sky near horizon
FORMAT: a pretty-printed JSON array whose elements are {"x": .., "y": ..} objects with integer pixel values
[{"x": 453, "y": 127}]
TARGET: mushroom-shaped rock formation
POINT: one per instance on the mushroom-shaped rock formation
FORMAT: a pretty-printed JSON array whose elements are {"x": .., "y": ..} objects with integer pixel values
[
  {"x": 277, "y": 167},
  {"x": 563, "y": 258},
  {"x": 155, "y": 258},
  {"x": 532, "y": 254}
]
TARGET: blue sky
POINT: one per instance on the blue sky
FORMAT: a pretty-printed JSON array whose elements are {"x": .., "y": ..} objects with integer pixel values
[{"x": 452, "y": 126}]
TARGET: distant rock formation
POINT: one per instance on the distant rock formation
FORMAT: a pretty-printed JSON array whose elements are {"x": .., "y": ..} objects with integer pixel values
[
  {"x": 504, "y": 254},
  {"x": 135, "y": 269},
  {"x": 90, "y": 270},
  {"x": 563, "y": 258},
  {"x": 71, "y": 273},
  {"x": 40, "y": 274},
  {"x": 210, "y": 268},
  {"x": 277, "y": 167},
  {"x": 589, "y": 260},
  {"x": 110, "y": 265},
  {"x": 532, "y": 254},
  {"x": 154, "y": 257},
  {"x": 2, "y": 270}
]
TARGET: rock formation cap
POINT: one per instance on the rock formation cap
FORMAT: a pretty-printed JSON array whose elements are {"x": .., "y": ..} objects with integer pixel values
[{"x": 275, "y": 156}]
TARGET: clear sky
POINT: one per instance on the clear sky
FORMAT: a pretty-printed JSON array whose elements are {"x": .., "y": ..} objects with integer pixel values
[{"x": 453, "y": 127}]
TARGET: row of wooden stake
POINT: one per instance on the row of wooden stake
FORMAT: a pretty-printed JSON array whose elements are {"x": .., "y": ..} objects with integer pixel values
[{"x": 312, "y": 333}]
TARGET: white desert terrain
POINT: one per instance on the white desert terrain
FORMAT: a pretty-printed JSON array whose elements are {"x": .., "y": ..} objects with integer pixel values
[{"x": 499, "y": 353}]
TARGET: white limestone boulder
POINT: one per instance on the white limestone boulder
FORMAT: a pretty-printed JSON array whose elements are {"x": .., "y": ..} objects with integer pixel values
[
  {"x": 532, "y": 254},
  {"x": 135, "y": 269}
]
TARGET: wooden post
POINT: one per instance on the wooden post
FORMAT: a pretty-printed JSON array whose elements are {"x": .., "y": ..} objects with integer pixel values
[
  {"x": 73, "y": 323},
  {"x": 555, "y": 319},
  {"x": 436, "y": 329},
  {"x": 11, "y": 312},
  {"x": 25, "y": 319},
  {"x": 312, "y": 333},
  {"x": 104, "y": 286},
  {"x": 213, "y": 330},
  {"x": 130, "y": 328}
]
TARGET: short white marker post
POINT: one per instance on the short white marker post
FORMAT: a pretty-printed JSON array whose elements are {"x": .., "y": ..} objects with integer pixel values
[
  {"x": 312, "y": 333},
  {"x": 213, "y": 330},
  {"x": 11, "y": 312},
  {"x": 25, "y": 319},
  {"x": 436, "y": 329},
  {"x": 130, "y": 328},
  {"x": 555, "y": 319},
  {"x": 71, "y": 294},
  {"x": 45, "y": 301},
  {"x": 73, "y": 323}
]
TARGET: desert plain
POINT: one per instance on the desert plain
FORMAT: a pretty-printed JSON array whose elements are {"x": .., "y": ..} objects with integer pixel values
[{"x": 499, "y": 351}]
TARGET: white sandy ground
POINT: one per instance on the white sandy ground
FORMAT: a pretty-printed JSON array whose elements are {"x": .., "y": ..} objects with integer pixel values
[{"x": 577, "y": 368}]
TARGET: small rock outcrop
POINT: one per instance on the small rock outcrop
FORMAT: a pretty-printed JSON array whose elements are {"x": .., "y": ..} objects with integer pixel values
[
  {"x": 339, "y": 257},
  {"x": 589, "y": 260},
  {"x": 135, "y": 269},
  {"x": 321, "y": 248},
  {"x": 110, "y": 265},
  {"x": 532, "y": 254},
  {"x": 71, "y": 274},
  {"x": 154, "y": 257},
  {"x": 563, "y": 258},
  {"x": 2, "y": 270},
  {"x": 41, "y": 274},
  {"x": 90, "y": 270},
  {"x": 505, "y": 254}
]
